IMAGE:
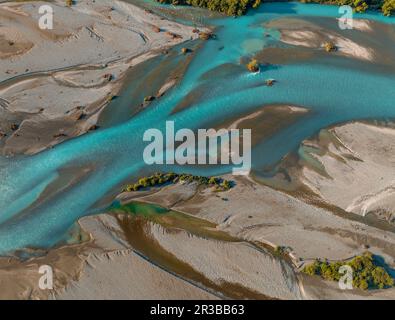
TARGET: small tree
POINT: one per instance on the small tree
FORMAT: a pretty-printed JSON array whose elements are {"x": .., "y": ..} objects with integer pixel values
[
  {"x": 388, "y": 7},
  {"x": 360, "y": 6},
  {"x": 329, "y": 46},
  {"x": 253, "y": 66}
]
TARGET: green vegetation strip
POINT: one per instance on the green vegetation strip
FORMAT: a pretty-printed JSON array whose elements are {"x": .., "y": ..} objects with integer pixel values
[
  {"x": 240, "y": 7},
  {"x": 367, "y": 274},
  {"x": 160, "y": 179},
  {"x": 229, "y": 7},
  {"x": 387, "y": 7}
]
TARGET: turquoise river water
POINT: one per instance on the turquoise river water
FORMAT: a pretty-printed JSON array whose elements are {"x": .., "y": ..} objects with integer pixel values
[{"x": 40, "y": 201}]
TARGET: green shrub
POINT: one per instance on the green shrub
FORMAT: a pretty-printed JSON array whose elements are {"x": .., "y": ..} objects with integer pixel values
[
  {"x": 253, "y": 66},
  {"x": 366, "y": 273},
  {"x": 329, "y": 46},
  {"x": 388, "y": 7}
]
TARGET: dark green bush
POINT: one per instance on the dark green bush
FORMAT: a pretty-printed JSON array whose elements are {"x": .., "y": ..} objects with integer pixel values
[{"x": 366, "y": 273}]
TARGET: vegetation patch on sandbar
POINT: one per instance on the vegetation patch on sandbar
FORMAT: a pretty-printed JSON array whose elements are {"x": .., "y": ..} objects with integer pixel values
[
  {"x": 229, "y": 7},
  {"x": 160, "y": 179},
  {"x": 387, "y": 7},
  {"x": 367, "y": 274},
  {"x": 253, "y": 66},
  {"x": 240, "y": 7}
]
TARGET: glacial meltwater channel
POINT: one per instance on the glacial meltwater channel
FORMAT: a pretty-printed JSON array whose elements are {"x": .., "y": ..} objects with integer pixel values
[{"x": 39, "y": 200}]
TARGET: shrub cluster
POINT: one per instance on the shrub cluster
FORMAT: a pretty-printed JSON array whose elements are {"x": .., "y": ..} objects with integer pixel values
[
  {"x": 229, "y": 7},
  {"x": 329, "y": 47},
  {"x": 253, "y": 66},
  {"x": 240, "y": 7},
  {"x": 386, "y": 6},
  {"x": 366, "y": 273},
  {"x": 159, "y": 179}
]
